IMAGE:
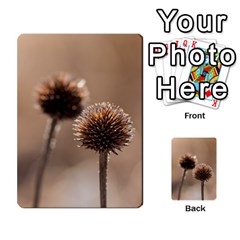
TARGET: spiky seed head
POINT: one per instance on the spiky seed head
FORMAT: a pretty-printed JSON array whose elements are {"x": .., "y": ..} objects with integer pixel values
[
  {"x": 202, "y": 172},
  {"x": 62, "y": 96},
  {"x": 103, "y": 127},
  {"x": 188, "y": 161}
]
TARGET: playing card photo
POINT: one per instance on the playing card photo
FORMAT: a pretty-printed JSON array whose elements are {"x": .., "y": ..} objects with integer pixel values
[
  {"x": 80, "y": 111},
  {"x": 196, "y": 75},
  {"x": 194, "y": 168}
]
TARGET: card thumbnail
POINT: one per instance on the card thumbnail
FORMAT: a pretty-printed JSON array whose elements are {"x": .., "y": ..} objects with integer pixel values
[{"x": 194, "y": 168}]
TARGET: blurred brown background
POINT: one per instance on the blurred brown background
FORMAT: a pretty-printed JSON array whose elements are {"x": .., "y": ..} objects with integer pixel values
[
  {"x": 205, "y": 150},
  {"x": 112, "y": 68}
]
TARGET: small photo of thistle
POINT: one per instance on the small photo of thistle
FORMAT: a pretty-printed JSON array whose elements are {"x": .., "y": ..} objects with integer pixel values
[
  {"x": 203, "y": 173},
  {"x": 193, "y": 168},
  {"x": 94, "y": 83},
  {"x": 187, "y": 162}
]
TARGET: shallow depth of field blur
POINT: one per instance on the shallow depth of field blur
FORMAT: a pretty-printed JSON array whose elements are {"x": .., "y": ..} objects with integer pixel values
[
  {"x": 205, "y": 150},
  {"x": 112, "y": 68}
]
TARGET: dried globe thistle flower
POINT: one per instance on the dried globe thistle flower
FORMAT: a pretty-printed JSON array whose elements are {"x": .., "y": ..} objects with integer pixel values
[
  {"x": 105, "y": 128},
  {"x": 187, "y": 162},
  {"x": 62, "y": 96},
  {"x": 203, "y": 173}
]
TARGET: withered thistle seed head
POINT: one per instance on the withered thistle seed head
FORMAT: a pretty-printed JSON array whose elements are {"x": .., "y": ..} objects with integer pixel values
[
  {"x": 103, "y": 127},
  {"x": 188, "y": 161},
  {"x": 202, "y": 172},
  {"x": 62, "y": 96}
]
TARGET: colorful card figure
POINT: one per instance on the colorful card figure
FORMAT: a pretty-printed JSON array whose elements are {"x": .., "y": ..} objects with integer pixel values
[{"x": 205, "y": 73}]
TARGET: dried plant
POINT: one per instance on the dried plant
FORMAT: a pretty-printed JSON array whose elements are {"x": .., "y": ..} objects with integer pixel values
[
  {"x": 60, "y": 97},
  {"x": 187, "y": 162},
  {"x": 104, "y": 128},
  {"x": 203, "y": 173}
]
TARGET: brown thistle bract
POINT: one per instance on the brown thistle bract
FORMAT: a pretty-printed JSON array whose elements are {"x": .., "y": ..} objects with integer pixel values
[
  {"x": 188, "y": 161},
  {"x": 202, "y": 172},
  {"x": 103, "y": 127},
  {"x": 62, "y": 96}
]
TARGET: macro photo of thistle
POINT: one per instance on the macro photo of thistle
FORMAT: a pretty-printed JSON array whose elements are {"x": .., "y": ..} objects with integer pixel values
[
  {"x": 105, "y": 111},
  {"x": 60, "y": 97},
  {"x": 104, "y": 128},
  {"x": 186, "y": 153}
]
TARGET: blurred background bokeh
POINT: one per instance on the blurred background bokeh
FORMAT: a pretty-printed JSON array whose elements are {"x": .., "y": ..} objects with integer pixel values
[
  {"x": 205, "y": 150},
  {"x": 111, "y": 64}
]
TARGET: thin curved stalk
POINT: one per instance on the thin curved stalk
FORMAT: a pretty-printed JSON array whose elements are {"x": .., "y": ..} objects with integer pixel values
[
  {"x": 181, "y": 184},
  {"x": 49, "y": 144}
]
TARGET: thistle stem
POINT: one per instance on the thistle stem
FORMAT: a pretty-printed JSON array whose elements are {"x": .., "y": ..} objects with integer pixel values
[
  {"x": 48, "y": 146},
  {"x": 202, "y": 190},
  {"x": 181, "y": 184},
  {"x": 103, "y": 161}
]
